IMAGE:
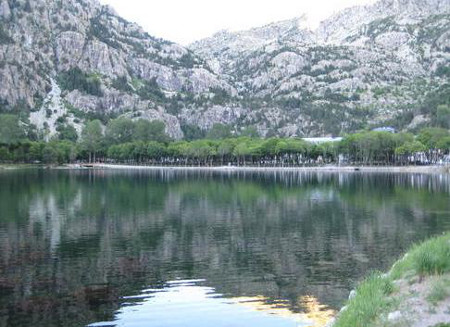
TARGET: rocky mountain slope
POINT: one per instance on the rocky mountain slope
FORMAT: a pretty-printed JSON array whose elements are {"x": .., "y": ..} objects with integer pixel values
[
  {"x": 75, "y": 57},
  {"x": 364, "y": 65},
  {"x": 64, "y": 62}
]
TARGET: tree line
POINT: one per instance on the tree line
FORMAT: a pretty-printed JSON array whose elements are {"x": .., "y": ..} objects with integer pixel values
[{"x": 123, "y": 140}]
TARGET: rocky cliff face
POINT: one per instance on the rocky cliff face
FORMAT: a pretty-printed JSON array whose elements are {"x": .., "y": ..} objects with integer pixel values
[
  {"x": 350, "y": 22},
  {"x": 102, "y": 63},
  {"x": 63, "y": 62},
  {"x": 362, "y": 66}
]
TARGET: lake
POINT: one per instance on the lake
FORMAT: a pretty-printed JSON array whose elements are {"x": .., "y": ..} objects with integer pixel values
[{"x": 202, "y": 248}]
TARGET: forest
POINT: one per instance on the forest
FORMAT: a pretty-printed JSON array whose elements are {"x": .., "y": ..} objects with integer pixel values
[{"x": 142, "y": 142}]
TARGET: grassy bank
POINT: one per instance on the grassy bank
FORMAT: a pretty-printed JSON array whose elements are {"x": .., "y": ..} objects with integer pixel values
[{"x": 416, "y": 292}]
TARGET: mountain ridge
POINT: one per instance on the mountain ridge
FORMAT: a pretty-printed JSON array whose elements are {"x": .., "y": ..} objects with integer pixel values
[
  {"x": 104, "y": 63},
  {"x": 363, "y": 66},
  {"x": 369, "y": 52}
]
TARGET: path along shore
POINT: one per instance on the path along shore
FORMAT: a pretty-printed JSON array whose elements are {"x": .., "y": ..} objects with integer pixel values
[{"x": 368, "y": 169}]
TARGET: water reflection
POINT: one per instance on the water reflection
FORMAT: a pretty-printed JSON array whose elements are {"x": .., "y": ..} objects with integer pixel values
[
  {"x": 75, "y": 244},
  {"x": 190, "y": 303}
]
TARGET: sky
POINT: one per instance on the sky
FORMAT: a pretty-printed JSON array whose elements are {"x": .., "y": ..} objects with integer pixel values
[{"x": 185, "y": 21}]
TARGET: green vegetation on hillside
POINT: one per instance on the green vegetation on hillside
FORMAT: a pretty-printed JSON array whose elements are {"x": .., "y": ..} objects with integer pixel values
[
  {"x": 375, "y": 297},
  {"x": 4, "y": 36},
  {"x": 75, "y": 79}
]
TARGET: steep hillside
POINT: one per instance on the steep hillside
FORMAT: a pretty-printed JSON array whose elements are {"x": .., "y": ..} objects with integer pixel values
[
  {"x": 80, "y": 58},
  {"x": 65, "y": 62},
  {"x": 365, "y": 65}
]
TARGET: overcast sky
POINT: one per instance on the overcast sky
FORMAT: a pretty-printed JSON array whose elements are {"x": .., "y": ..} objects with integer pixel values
[{"x": 185, "y": 21}]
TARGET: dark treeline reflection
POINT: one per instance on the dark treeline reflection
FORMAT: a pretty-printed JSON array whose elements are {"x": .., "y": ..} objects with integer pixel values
[{"x": 74, "y": 242}]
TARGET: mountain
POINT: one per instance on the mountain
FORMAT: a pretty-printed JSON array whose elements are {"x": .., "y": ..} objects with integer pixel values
[
  {"x": 76, "y": 59},
  {"x": 364, "y": 66},
  {"x": 65, "y": 62}
]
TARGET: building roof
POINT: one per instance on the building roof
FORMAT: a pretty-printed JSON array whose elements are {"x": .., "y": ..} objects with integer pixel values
[
  {"x": 320, "y": 140},
  {"x": 384, "y": 129}
]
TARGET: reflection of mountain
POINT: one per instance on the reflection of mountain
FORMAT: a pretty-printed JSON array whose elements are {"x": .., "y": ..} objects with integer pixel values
[{"x": 74, "y": 241}]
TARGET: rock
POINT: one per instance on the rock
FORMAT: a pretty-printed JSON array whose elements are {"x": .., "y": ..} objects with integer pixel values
[
  {"x": 5, "y": 11},
  {"x": 352, "y": 294},
  {"x": 343, "y": 309},
  {"x": 395, "y": 316},
  {"x": 52, "y": 109},
  {"x": 205, "y": 119},
  {"x": 331, "y": 322}
]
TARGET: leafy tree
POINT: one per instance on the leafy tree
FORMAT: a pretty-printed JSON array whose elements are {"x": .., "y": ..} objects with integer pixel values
[
  {"x": 192, "y": 132},
  {"x": 156, "y": 150},
  {"x": 59, "y": 152},
  {"x": 444, "y": 144},
  {"x": 201, "y": 150},
  {"x": 430, "y": 137},
  {"x": 92, "y": 138},
  {"x": 225, "y": 148},
  {"x": 410, "y": 148},
  {"x": 219, "y": 131},
  {"x": 113, "y": 152},
  {"x": 241, "y": 150},
  {"x": 290, "y": 146},
  {"x": 368, "y": 147},
  {"x": 247, "y": 148},
  {"x": 67, "y": 132},
  {"x": 269, "y": 146},
  {"x": 36, "y": 151},
  {"x": 50, "y": 153},
  {"x": 127, "y": 150},
  {"x": 120, "y": 130},
  {"x": 250, "y": 131},
  {"x": 67, "y": 151},
  {"x": 178, "y": 149},
  {"x": 150, "y": 131},
  {"x": 443, "y": 116},
  {"x": 255, "y": 146},
  {"x": 4, "y": 154},
  {"x": 11, "y": 132},
  {"x": 139, "y": 151}
]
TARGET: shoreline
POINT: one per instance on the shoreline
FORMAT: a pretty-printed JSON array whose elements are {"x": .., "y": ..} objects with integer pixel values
[
  {"x": 435, "y": 169},
  {"x": 348, "y": 169}
]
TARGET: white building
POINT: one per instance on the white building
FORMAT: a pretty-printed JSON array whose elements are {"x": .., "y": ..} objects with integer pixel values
[{"x": 321, "y": 140}]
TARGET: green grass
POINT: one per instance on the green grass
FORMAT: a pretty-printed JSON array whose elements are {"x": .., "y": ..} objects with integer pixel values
[
  {"x": 429, "y": 258},
  {"x": 373, "y": 301},
  {"x": 440, "y": 290}
]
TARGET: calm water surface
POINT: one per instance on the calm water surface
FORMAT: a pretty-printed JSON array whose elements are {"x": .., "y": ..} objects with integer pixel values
[{"x": 192, "y": 249}]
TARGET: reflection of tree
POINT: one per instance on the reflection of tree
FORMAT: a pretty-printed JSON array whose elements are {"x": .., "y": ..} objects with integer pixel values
[{"x": 74, "y": 241}]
